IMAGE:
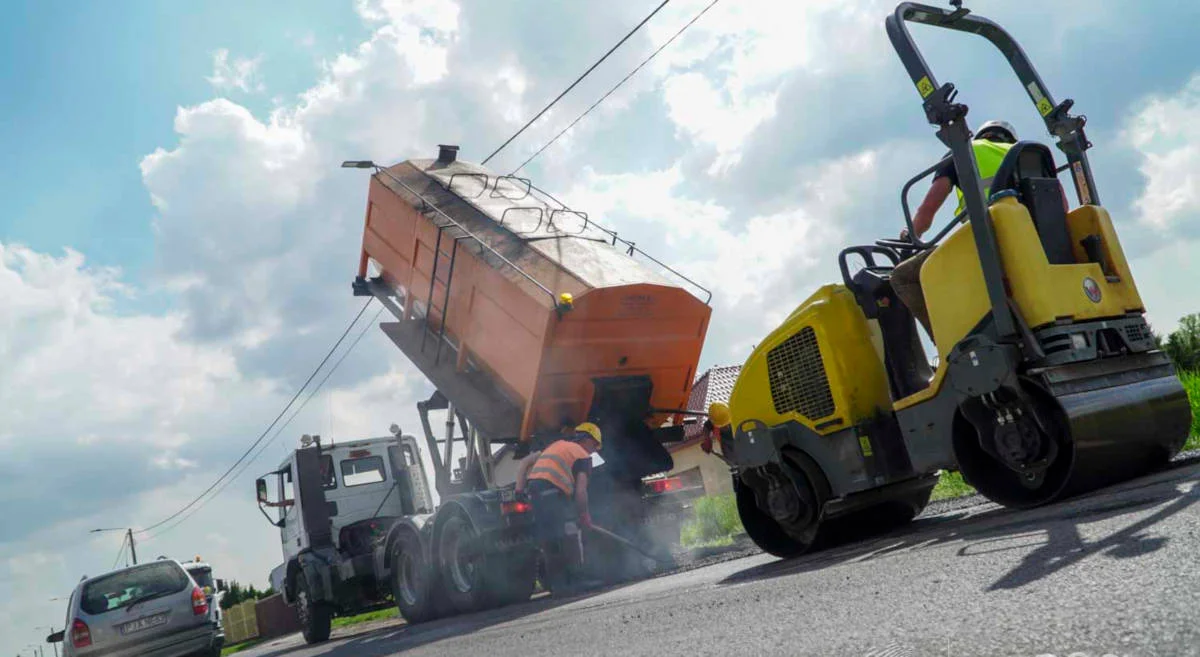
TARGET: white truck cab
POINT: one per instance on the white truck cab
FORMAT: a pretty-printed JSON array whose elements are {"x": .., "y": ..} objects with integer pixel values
[{"x": 359, "y": 481}]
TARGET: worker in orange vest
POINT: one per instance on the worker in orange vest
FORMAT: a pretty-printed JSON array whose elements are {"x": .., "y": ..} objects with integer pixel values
[
  {"x": 718, "y": 429},
  {"x": 556, "y": 479}
]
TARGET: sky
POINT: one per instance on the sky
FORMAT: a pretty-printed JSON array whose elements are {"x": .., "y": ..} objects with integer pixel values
[{"x": 177, "y": 241}]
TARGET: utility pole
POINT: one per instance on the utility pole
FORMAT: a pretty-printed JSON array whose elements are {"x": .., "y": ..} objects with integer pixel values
[
  {"x": 132, "y": 549},
  {"x": 128, "y": 536}
]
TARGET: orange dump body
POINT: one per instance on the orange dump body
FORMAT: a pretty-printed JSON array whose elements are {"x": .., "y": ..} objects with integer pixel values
[{"x": 510, "y": 357}]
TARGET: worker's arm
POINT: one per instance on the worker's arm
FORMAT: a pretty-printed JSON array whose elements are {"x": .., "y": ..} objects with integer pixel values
[
  {"x": 581, "y": 497},
  {"x": 934, "y": 198},
  {"x": 523, "y": 469}
]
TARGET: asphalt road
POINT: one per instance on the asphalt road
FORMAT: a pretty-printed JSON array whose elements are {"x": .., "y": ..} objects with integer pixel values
[{"x": 1113, "y": 573}]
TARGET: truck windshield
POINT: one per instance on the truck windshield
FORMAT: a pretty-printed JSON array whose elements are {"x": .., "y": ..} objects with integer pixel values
[
  {"x": 203, "y": 577},
  {"x": 119, "y": 589}
]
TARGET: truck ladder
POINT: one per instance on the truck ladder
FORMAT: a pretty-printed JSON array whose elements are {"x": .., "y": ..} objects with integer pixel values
[{"x": 450, "y": 233}]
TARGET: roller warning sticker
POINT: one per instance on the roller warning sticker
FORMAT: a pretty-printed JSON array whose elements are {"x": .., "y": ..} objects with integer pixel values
[
  {"x": 925, "y": 87},
  {"x": 1039, "y": 98},
  {"x": 864, "y": 442}
]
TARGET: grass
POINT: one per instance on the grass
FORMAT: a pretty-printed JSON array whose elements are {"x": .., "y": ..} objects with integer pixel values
[
  {"x": 716, "y": 523},
  {"x": 238, "y": 647},
  {"x": 1191, "y": 383},
  {"x": 377, "y": 615},
  {"x": 951, "y": 485}
]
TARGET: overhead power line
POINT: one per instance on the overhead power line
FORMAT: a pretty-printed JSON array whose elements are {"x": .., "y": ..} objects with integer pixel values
[
  {"x": 577, "y": 81},
  {"x": 266, "y": 431},
  {"x": 262, "y": 448},
  {"x": 618, "y": 86},
  {"x": 119, "y": 552}
]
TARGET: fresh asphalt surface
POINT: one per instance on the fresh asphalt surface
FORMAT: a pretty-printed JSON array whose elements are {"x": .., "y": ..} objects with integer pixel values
[{"x": 1112, "y": 573}]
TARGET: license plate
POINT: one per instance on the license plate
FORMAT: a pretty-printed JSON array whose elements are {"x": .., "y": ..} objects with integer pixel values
[{"x": 143, "y": 623}]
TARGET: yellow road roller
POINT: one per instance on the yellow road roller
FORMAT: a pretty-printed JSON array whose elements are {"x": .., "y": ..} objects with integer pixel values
[{"x": 1048, "y": 382}]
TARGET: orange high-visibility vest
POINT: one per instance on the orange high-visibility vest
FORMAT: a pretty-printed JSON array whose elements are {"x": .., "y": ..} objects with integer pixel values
[{"x": 556, "y": 465}]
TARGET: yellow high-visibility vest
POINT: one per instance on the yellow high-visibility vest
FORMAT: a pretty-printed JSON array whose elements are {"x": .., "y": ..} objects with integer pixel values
[{"x": 988, "y": 157}]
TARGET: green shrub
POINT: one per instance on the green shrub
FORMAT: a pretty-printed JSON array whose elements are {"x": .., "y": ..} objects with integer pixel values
[
  {"x": 716, "y": 521},
  {"x": 1191, "y": 383},
  {"x": 950, "y": 484}
]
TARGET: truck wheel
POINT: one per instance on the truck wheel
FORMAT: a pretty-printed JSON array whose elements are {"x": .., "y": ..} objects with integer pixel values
[
  {"x": 462, "y": 565},
  {"x": 510, "y": 579},
  {"x": 315, "y": 617},
  {"x": 411, "y": 580}
]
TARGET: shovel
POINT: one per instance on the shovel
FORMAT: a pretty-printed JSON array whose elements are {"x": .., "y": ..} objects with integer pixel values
[{"x": 633, "y": 546}]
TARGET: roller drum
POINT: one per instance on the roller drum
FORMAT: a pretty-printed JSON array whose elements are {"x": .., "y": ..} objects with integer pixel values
[
  {"x": 1112, "y": 420},
  {"x": 1125, "y": 431}
]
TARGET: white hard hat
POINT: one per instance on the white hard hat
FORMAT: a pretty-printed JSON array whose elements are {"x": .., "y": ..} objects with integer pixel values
[{"x": 997, "y": 126}]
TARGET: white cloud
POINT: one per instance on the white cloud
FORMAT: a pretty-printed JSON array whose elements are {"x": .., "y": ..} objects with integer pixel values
[
  {"x": 238, "y": 73},
  {"x": 714, "y": 117},
  {"x": 108, "y": 378},
  {"x": 1166, "y": 133},
  {"x": 722, "y": 79}
]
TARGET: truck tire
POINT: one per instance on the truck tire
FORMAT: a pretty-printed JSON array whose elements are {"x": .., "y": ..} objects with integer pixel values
[
  {"x": 315, "y": 617},
  {"x": 412, "y": 580},
  {"x": 461, "y": 565}
]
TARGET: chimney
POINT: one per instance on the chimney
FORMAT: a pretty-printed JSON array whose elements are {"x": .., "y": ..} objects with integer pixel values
[{"x": 447, "y": 154}]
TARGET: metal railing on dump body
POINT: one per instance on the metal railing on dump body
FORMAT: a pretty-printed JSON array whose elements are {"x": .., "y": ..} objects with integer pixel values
[
  {"x": 630, "y": 247},
  {"x": 468, "y": 234}
]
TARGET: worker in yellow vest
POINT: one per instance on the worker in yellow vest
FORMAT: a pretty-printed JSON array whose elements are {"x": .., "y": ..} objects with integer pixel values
[
  {"x": 992, "y": 142},
  {"x": 556, "y": 481}
]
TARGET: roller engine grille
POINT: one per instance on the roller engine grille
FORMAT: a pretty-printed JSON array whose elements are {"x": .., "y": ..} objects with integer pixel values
[{"x": 797, "y": 374}]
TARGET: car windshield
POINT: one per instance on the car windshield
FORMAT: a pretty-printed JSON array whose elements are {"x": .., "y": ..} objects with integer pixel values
[
  {"x": 203, "y": 577},
  {"x": 122, "y": 588}
]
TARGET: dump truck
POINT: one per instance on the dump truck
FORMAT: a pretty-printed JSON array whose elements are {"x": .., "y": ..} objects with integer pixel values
[{"x": 528, "y": 317}]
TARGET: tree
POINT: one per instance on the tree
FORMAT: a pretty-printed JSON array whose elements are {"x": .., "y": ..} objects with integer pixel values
[
  {"x": 236, "y": 594},
  {"x": 1183, "y": 346}
]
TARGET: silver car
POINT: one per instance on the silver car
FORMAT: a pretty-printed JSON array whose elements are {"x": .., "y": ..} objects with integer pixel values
[{"x": 152, "y": 609}]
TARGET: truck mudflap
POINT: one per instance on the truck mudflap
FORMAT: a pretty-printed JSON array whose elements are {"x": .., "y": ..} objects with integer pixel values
[{"x": 316, "y": 566}]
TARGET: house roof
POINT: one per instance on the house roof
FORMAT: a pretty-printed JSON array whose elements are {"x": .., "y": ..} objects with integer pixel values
[{"x": 715, "y": 385}]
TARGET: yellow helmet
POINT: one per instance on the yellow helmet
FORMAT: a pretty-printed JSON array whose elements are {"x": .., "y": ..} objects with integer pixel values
[
  {"x": 718, "y": 412},
  {"x": 591, "y": 430}
]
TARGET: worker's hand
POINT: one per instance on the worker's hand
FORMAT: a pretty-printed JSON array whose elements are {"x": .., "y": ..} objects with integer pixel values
[
  {"x": 585, "y": 519},
  {"x": 903, "y": 234}
]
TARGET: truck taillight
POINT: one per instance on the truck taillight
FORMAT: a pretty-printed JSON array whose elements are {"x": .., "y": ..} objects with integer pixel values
[
  {"x": 81, "y": 634},
  {"x": 199, "y": 602},
  {"x": 666, "y": 485},
  {"x": 514, "y": 507}
]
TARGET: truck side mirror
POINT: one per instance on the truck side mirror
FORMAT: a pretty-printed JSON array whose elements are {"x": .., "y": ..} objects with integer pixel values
[
  {"x": 261, "y": 487},
  {"x": 57, "y": 637},
  {"x": 220, "y": 584}
]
